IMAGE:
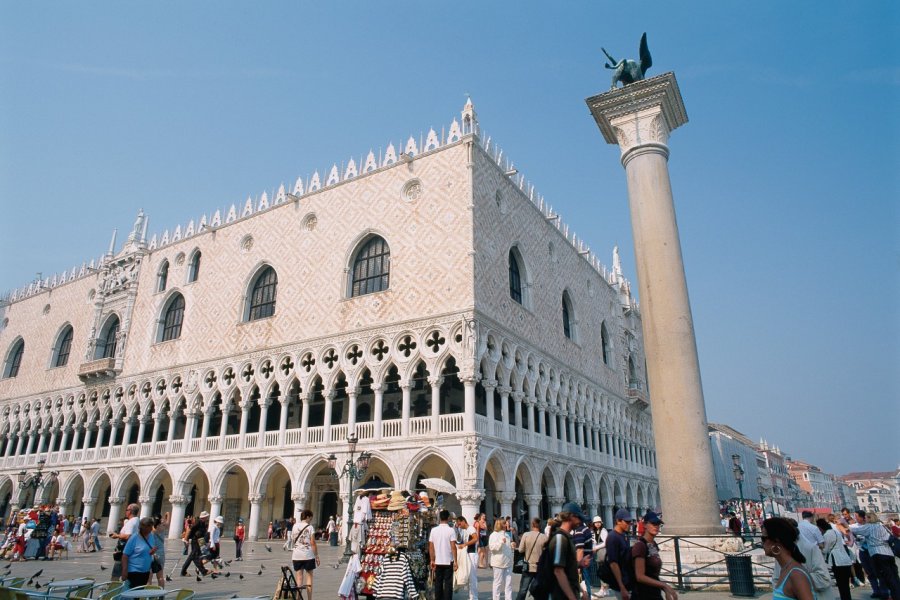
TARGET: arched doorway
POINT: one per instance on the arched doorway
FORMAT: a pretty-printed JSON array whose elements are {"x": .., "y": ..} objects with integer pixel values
[
  {"x": 434, "y": 465},
  {"x": 234, "y": 490}
]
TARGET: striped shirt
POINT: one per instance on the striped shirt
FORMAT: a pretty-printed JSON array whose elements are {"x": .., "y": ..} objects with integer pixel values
[
  {"x": 395, "y": 581},
  {"x": 876, "y": 537}
]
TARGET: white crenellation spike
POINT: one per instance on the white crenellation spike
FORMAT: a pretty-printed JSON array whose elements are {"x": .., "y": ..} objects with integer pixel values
[
  {"x": 281, "y": 195},
  {"x": 350, "y": 173},
  {"x": 314, "y": 183},
  {"x": 455, "y": 132},
  {"x": 189, "y": 231},
  {"x": 333, "y": 176},
  {"x": 370, "y": 164},
  {"x": 248, "y": 207},
  {"x": 263, "y": 202},
  {"x": 177, "y": 235},
  {"x": 232, "y": 213},
  {"x": 298, "y": 187},
  {"x": 217, "y": 218},
  {"x": 431, "y": 142},
  {"x": 390, "y": 156},
  {"x": 411, "y": 148}
]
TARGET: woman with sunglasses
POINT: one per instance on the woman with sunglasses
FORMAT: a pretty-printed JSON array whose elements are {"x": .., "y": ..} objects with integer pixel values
[
  {"x": 648, "y": 564},
  {"x": 779, "y": 540}
]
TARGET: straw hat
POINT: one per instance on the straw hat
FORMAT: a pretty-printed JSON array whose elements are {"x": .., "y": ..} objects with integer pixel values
[
  {"x": 397, "y": 501},
  {"x": 380, "y": 502}
]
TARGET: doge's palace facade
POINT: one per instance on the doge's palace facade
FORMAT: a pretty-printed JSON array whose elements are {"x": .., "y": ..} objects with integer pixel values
[{"x": 426, "y": 300}]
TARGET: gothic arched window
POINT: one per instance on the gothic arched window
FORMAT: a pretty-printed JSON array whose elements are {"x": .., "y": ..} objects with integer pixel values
[
  {"x": 262, "y": 295},
  {"x": 162, "y": 276},
  {"x": 173, "y": 316},
  {"x": 14, "y": 359},
  {"x": 63, "y": 347},
  {"x": 567, "y": 315},
  {"x": 371, "y": 268},
  {"x": 106, "y": 343},
  {"x": 194, "y": 267},
  {"x": 515, "y": 278},
  {"x": 604, "y": 343}
]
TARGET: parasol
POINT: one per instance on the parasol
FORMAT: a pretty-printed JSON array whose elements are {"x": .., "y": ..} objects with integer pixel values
[{"x": 439, "y": 485}]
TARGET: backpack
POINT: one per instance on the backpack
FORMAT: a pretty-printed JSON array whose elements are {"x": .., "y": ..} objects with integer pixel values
[{"x": 542, "y": 580}]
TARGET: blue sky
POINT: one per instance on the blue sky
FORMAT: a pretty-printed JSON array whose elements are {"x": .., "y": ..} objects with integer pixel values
[{"x": 786, "y": 177}]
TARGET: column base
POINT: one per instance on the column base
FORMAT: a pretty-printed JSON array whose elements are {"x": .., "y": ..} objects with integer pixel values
[{"x": 701, "y": 561}]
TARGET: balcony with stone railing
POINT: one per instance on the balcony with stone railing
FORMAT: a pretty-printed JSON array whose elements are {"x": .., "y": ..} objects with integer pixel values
[
  {"x": 636, "y": 395},
  {"x": 287, "y": 440},
  {"x": 96, "y": 369}
]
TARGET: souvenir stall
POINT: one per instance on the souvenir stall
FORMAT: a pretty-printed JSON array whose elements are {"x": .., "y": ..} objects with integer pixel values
[{"x": 396, "y": 542}]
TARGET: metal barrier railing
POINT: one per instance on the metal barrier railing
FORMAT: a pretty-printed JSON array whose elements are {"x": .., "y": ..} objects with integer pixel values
[{"x": 689, "y": 575}]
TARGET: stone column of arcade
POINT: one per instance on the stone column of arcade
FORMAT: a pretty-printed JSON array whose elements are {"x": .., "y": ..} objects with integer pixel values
[
  {"x": 115, "y": 509},
  {"x": 639, "y": 118},
  {"x": 176, "y": 527}
]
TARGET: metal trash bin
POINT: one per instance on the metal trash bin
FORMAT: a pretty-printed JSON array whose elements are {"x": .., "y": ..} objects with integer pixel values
[{"x": 740, "y": 575}]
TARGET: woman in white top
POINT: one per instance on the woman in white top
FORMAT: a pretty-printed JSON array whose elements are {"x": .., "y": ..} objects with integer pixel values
[
  {"x": 837, "y": 556},
  {"x": 501, "y": 551},
  {"x": 304, "y": 552}
]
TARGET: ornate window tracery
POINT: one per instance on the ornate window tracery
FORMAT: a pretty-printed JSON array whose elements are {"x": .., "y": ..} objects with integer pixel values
[
  {"x": 63, "y": 347},
  {"x": 109, "y": 337},
  {"x": 194, "y": 267},
  {"x": 14, "y": 359},
  {"x": 173, "y": 317}
]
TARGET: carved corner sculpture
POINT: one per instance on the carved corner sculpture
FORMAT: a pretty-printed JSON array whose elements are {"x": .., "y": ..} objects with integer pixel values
[{"x": 628, "y": 71}]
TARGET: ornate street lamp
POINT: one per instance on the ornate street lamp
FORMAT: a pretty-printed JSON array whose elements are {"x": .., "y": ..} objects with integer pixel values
[
  {"x": 353, "y": 470},
  {"x": 739, "y": 478},
  {"x": 38, "y": 479}
]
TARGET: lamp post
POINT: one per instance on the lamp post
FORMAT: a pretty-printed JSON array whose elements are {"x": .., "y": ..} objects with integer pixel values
[
  {"x": 38, "y": 479},
  {"x": 353, "y": 470},
  {"x": 739, "y": 478}
]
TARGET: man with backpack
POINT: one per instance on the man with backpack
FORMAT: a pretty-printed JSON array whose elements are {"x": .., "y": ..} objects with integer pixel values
[
  {"x": 618, "y": 555},
  {"x": 562, "y": 556}
]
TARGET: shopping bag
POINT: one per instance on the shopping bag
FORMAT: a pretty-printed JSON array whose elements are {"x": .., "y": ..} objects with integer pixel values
[{"x": 463, "y": 570}]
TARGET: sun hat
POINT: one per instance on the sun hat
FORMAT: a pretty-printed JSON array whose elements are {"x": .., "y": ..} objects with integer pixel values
[
  {"x": 597, "y": 519},
  {"x": 204, "y": 515},
  {"x": 219, "y": 519},
  {"x": 398, "y": 500}
]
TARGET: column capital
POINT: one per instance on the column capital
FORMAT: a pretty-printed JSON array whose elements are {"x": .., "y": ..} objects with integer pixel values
[
  {"x": 116, "y": 500},
  {"x": 435, "y": 381},
  {"x": 298, "y": 498},
  {"x": 506, "y": 497},
  {"x": 216, "y": 499},
  {"x": 470, "y": 496},
  {"x": 518, "y": 396},
  {"x": 145, "y": 499},
  {"x": 489, "y": 384},
  {"x": 532, "y": 499},
  {"x": 377, "y": 387},
  {"x": 469, "y": 379},
  {"x": 89, "y": 500},
  {"x": 557, "y": 500},
  {"x": 504, "y": 390},
  {"x": 178, "y": 500},
  {"x": 61, "y": 501},
  {"x": 641, "y": 114},
  {"x": 256, "y": 498},
  {"x": 542, "y": 406}
]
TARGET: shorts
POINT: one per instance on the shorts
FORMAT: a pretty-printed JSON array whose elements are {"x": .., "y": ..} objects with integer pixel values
[
  {"x": 305, "y": 565},
  {"x": 483, "y": 541}
]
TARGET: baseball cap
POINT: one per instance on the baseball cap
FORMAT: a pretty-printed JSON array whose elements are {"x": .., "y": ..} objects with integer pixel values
[
  {"x": 623, "y": 515},
  {"x": 572, "y": 507},
  {"x": 597, "y": 519},
  {"x": 653, "y": 518}
]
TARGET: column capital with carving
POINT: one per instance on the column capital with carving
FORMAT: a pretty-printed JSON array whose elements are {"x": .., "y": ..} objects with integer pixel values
[
  {"x": 62, "y": 501},
  {"x": 178, "y": 500},
  {"x": 470, "y": 496},
  {"x": 435, "y": 381},
  {"x": 256, "y": 498},
  {"x": 116, "y": 500},
  {"x": 506, "y": 497},
  {"x": 504, "y": 390},
  {"x": 216, "y": 499},
  {"x": 533, "y": 499},
  {"x": 489, "y": 384},
  {"x": 144, "y": 499},
  {"x": 89, "y": 500}
]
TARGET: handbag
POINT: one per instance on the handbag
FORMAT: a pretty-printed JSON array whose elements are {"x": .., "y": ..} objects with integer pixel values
[{"x": 520, "y": 564}]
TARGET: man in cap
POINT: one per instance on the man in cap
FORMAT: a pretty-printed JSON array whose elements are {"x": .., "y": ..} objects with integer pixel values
[
  {"x": 563, "y": 556},
  {"x": 618, "y": 555},
  {"x": 197, "y": 537},
  {"x": 583, "y": 539}
]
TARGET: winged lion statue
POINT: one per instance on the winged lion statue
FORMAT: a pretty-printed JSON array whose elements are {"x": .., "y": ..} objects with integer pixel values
[{"x": 628, "y": 71}]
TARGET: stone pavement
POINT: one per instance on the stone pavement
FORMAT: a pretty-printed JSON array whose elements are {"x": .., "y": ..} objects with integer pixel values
[{"x": 261, "y": 572}]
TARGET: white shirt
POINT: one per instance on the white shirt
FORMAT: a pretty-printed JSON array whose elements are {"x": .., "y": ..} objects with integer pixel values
[
  {"x": 442, "y": 536},
  {"x": 130, "y": 526},
  {"x": 362, "y": 510},
  {"x": 215, "y": 534},
  {"x": 810, "y": 532},
  {"x": 302, "y": 533}
]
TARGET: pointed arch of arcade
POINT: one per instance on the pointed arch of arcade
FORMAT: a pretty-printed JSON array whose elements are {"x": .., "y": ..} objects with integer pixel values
[
  {"x": 381, "y": 468},
  {"x": 526, "y": 476},
  {"x": 496, "y": 464},
  {"x": 416, "y": 464},
  {"x": 122, "y": 485},
  {"x": 7, "y": 488}
]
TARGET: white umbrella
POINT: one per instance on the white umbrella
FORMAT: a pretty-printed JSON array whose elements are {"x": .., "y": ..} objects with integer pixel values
[{"x": 439, "y": 485}]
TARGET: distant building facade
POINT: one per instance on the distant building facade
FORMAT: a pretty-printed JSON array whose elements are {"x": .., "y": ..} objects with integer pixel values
[
  {"x": 726, "y": 442},
  {"x": 818, "y": 485},
  {"x": 878, "y": 491}
]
